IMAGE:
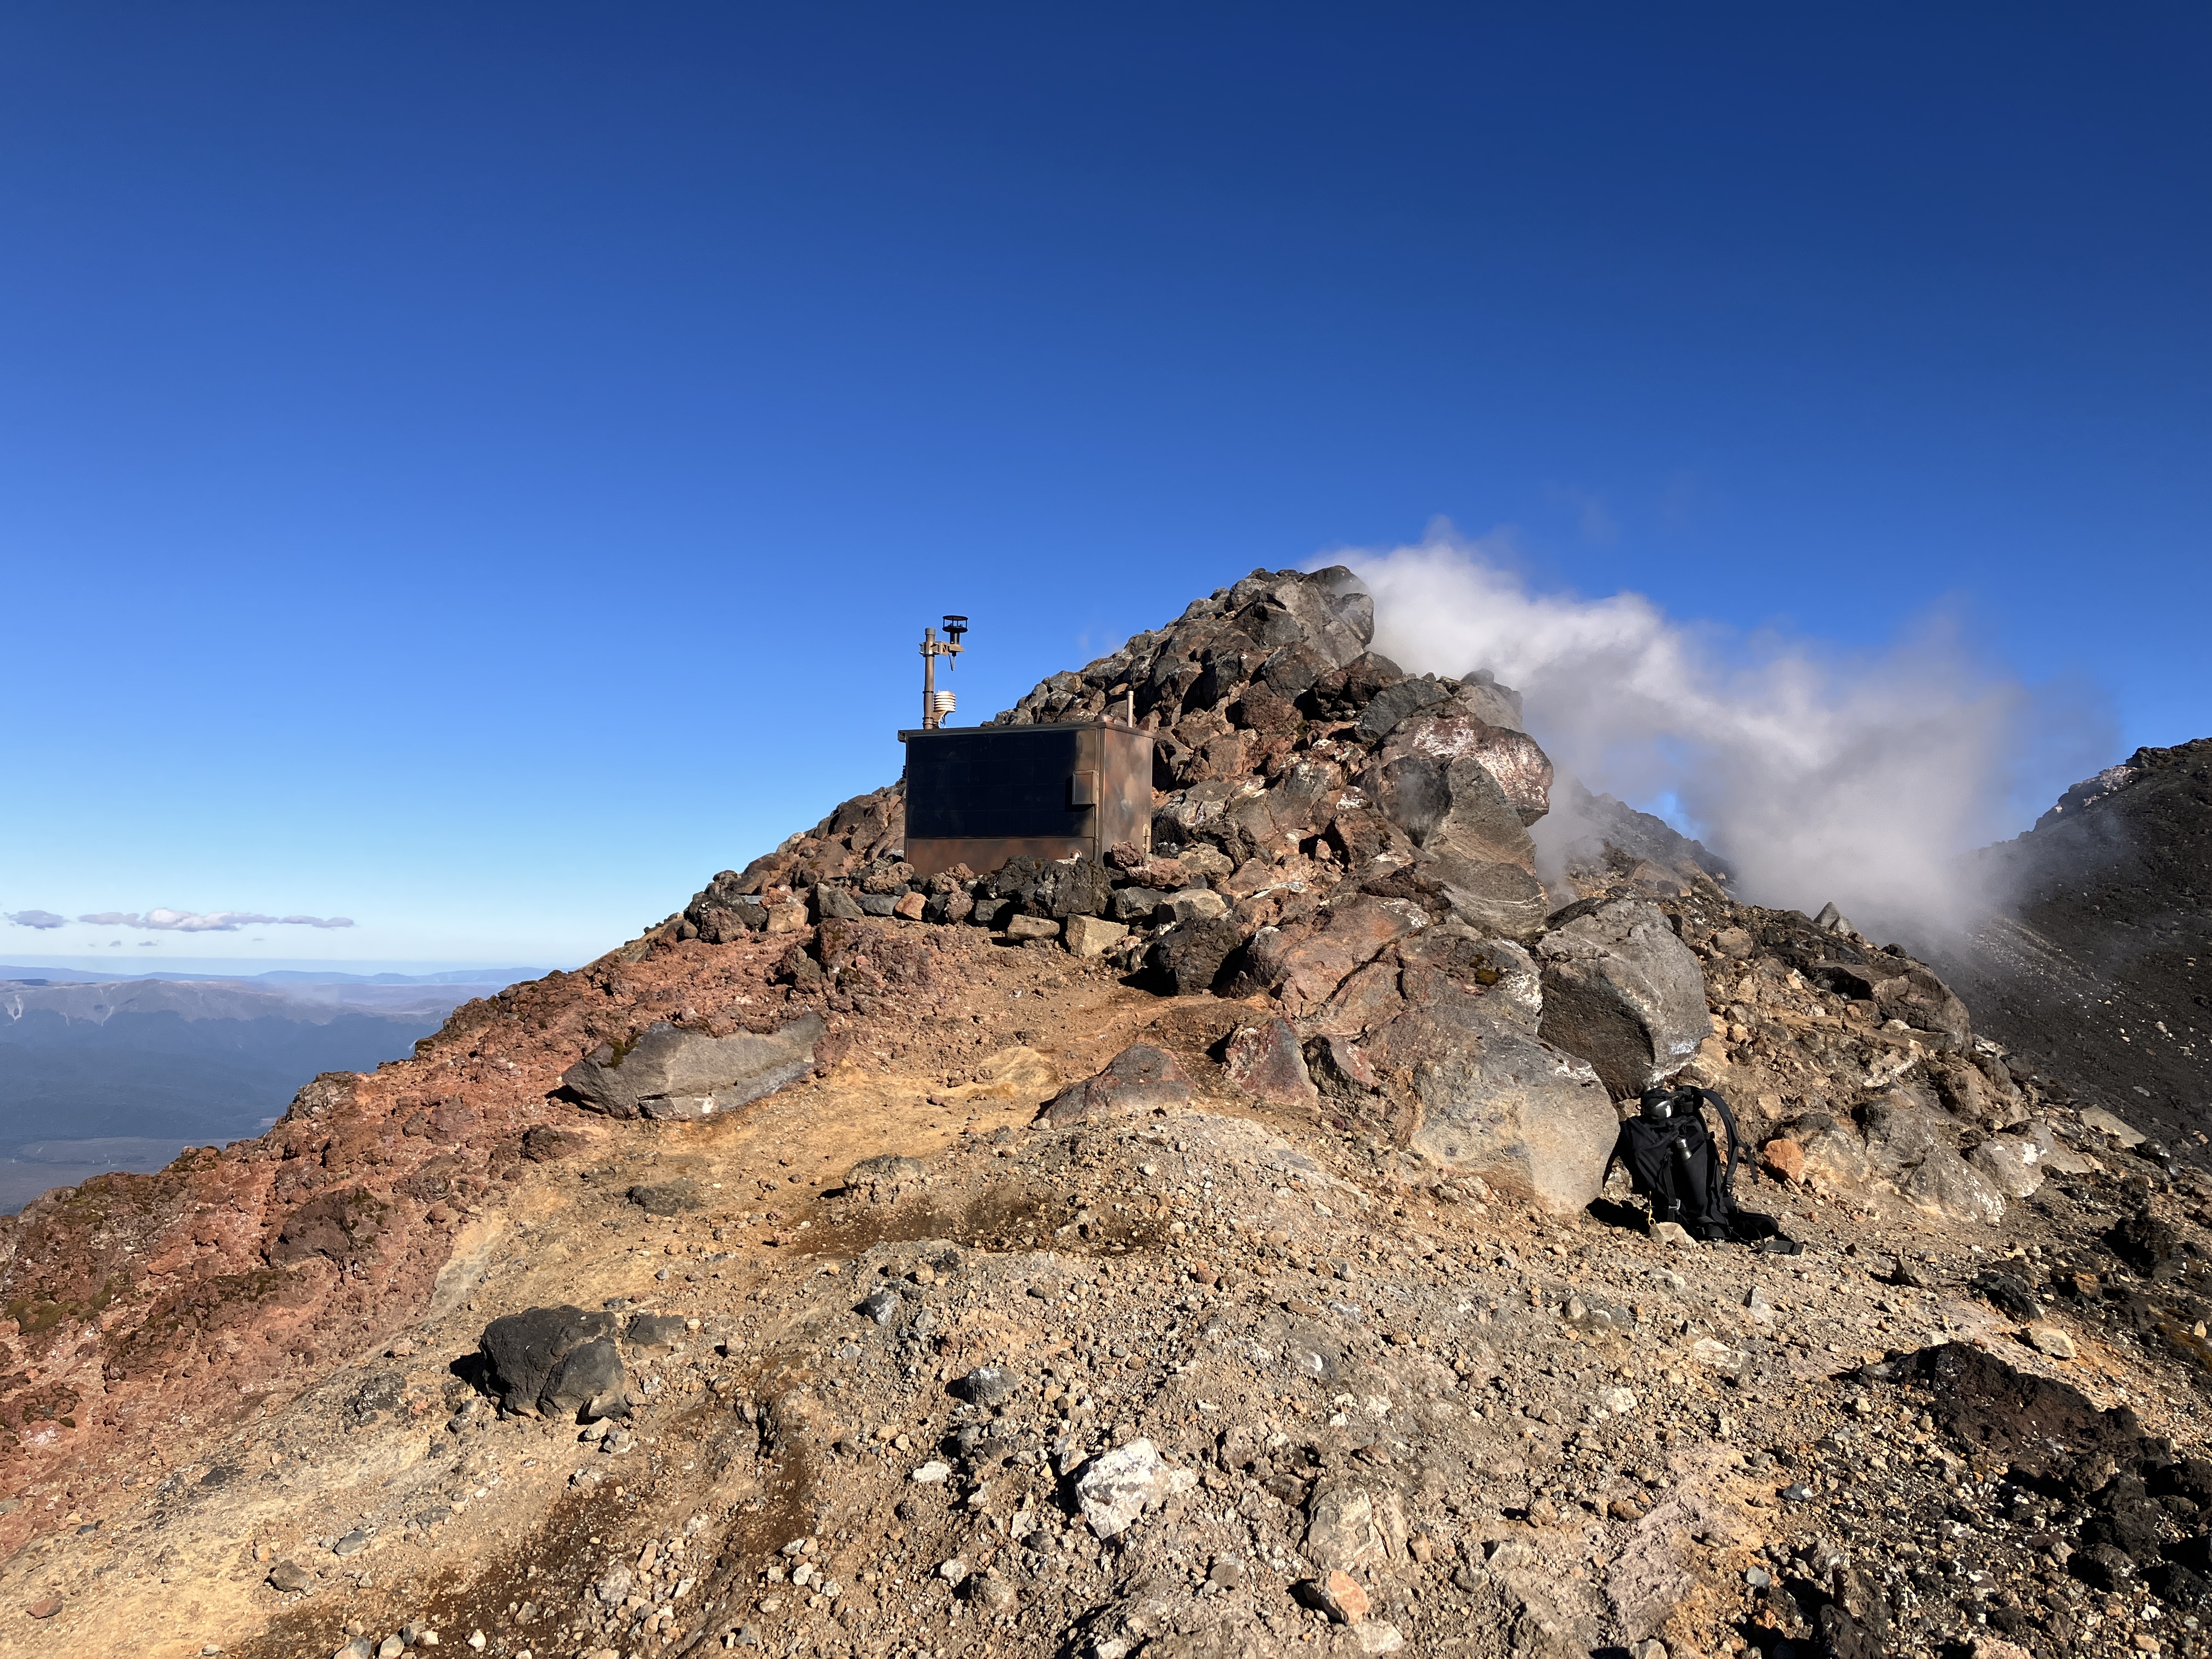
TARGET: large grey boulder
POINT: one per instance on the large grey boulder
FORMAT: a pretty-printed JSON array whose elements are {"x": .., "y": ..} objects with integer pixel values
[
  {"x": 675, "y": 1073},
  {"x": 1473, "y": 850},
  {"x": 1450, "y": 731},
  {"x": 1624, "y": 992},
  {"x": 1495, "y": 1101},
  {"x": 1910, "y": 1148},
  {"x": 1490, "y": 702},
  {"x": 555, "y": 1361}
]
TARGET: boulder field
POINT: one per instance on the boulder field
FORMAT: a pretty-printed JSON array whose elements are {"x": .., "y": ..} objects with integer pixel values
[{"x": 1210, "y": 1252}]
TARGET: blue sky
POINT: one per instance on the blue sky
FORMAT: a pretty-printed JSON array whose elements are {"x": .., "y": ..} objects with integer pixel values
[{"x": 478, "y": 472}]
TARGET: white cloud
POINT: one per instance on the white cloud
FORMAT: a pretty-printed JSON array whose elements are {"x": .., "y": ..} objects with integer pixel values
[
  {"x": 1817, "y": 774},
  {"x": 40, "y": 919},
  {"x": 214, "y": 921}
]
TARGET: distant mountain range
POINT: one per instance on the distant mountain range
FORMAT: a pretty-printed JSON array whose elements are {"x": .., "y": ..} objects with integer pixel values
[
  {"x": 107, "y": 1073},
  {"x": 498, "y": 977}
]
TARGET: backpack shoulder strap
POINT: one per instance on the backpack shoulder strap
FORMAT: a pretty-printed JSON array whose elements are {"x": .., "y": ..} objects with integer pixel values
[{"x": 1735, "y": 1141}]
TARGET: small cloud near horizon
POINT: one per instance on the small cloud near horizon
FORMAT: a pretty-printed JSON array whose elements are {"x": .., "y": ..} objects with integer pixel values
[
  {"x": 213, "y": 921},
  {"x": 40, "y": 919}
]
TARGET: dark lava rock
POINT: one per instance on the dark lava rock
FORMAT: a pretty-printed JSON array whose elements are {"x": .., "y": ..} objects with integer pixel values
[
  {"x": 2145, "y": 1244},
  {"x": 2009, "y": 1294},
  {"x": 1051, "y": 887},
  {"x": 666, "y": 1197},
  {"x": 2036, "y": 1424},
  {"x": 986, "y": 1385},
  {"x": 553, "y": 1361},
  {"x": 1190, "y": 954}
]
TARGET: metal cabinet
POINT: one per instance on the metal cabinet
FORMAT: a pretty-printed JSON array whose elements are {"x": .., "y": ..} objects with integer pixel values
[{"x": 979, "y": 795}]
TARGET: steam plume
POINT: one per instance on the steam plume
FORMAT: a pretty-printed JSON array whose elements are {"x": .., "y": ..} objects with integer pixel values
[{"x": 1817, "y": 775}]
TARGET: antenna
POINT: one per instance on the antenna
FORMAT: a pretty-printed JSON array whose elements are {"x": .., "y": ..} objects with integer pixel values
[{"x": 936, "y": 704}]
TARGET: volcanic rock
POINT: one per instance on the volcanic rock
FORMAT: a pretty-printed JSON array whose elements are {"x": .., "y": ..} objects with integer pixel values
[
  {"x": 553, "y": 1361},
  {"x": 1623, "y": 993},
  {"x": 666, "y": 1066},
  {"x": 1140, "y": 1079}
]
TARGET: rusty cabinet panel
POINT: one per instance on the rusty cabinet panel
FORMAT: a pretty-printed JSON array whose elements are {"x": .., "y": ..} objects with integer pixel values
[{"x": 981, "y": 795}]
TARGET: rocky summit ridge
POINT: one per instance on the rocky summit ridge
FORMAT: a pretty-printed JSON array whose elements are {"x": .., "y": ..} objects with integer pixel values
[{"x": 1207, "y": 1253}]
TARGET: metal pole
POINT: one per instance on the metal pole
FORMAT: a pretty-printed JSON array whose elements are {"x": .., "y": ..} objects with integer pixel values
[{"x": 928, "y": 678}]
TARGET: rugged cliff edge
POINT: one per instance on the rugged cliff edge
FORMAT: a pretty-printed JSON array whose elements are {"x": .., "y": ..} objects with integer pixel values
[{"x": 1211, "y": 1253}]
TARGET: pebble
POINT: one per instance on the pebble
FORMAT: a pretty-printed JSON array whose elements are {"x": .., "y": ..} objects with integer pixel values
[
  {"x": 2051, "y": 1341},
  {"x": 881, "y": 1306},
  {"x": 1339, "y": 1596},
  {"x": 986, "y": 1385},
  {"x": 352, "y": 1544},
  {"x": 290, "y": 1576},
  {"x": 931, "y": 1473}
]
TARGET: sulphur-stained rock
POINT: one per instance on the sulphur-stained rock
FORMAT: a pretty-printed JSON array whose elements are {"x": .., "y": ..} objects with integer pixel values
[
  {"x": 669, "y": 1064},
  {"x": 1624, "y": 992},
  {"x": 1267, "y": 1062},
  {"x": 1140, "y": 1079},
  {"x": 553, "y": 1361}
]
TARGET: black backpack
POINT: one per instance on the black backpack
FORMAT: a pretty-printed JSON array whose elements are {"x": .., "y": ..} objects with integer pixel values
[{"x": 1672, "y": 1163}]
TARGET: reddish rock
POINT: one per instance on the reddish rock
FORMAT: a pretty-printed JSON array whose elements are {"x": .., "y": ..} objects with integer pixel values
[
  {"x": 910, "y": 907},
  {"x": 44, "y": 1607},
  {"x": 1304, "y": 968},
  {"x": 1785, "y": 1159},
  {"x": 1265, "y": 1062},
  {"x": 1140, "y": 1079},
  {"x": 1339, "y": 1596}
]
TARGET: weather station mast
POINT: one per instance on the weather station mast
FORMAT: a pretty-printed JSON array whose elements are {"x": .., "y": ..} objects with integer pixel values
[{"x": 936, "y": 704}]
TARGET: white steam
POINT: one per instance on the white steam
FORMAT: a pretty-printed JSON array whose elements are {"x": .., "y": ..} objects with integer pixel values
[{"x": 1815, "y": 775}]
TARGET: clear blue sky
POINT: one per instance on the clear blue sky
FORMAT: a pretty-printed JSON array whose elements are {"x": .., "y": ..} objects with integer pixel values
[{"x": 481, "y": 470}]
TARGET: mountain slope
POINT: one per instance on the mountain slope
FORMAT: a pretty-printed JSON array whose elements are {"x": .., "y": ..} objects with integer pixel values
[
  {"x": 2097, "y": 972},
  {"x": 1238, "y": 1285}
]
